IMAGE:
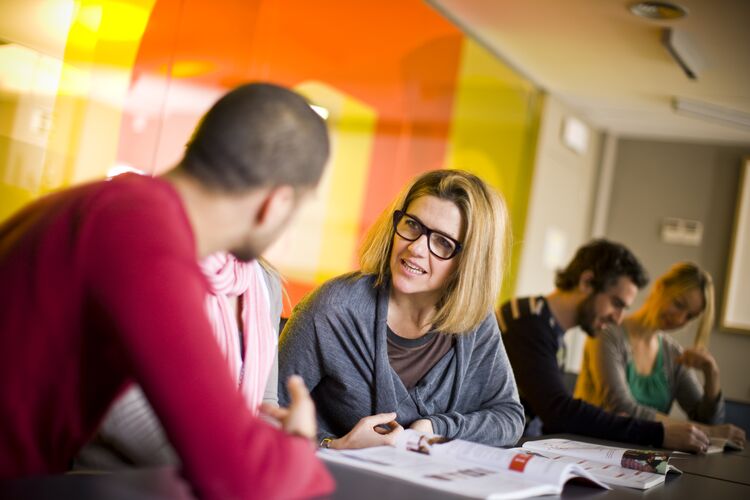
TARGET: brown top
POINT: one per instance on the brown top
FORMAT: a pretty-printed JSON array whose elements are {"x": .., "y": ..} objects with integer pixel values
[{"x": 411, "y": 359}]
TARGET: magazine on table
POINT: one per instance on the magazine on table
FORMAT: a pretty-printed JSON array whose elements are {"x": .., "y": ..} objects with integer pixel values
[
  {"x": 464, "y": 468},
  {"x": 640, "y": 469}
]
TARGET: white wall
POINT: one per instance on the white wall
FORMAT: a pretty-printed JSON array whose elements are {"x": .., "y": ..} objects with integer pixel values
[{"x": 560, "y": 206}]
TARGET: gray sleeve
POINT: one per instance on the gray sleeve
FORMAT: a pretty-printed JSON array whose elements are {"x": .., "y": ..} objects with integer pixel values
[
  {"x": 688, "y": 391},
  {"x": 133, "y": 431},
  {"x": 299, "y": 354},
  {"x": 273, "y": 282},
  {"x": 608, "y": 359},
  {"x": 271, "y": 394},
  {"x": 499, "y": 419},
  {"x": 275, "y": 288}
]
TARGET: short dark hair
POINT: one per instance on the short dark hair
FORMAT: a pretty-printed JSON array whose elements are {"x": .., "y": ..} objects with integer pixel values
[
  {"x": 607, "y": 260},
  {"x": 258, "y": 134}
]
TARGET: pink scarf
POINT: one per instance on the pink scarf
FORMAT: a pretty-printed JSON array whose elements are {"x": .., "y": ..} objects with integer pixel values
[{"x": 229, "y": 277}]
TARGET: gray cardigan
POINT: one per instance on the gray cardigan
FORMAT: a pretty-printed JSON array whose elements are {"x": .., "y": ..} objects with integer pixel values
[
  {"x": 336, "y": 340},
  {"x": 603, "y": 380}
]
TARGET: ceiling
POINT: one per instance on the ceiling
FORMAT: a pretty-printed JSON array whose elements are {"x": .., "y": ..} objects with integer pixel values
[
  {"x": 593, "y": 55},
  {"x": 611, "y": 66},
  {"x": 39, "y": 25}
]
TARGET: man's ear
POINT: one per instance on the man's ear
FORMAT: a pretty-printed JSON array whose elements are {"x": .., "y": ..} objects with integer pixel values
[
  {"x": 586, "y": 281},
  {"x": 275, "y": 206}
]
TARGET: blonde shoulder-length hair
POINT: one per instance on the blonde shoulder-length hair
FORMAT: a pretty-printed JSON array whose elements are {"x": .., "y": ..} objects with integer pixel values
[
  {"x": 680, "y": 278},
  {"x": 473, "y": 288}
]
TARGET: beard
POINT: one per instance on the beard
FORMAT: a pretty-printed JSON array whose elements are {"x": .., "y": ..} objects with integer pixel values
[
  {"x": 257, "y": 240},
  {"x": 253, "y": 245},
  {"x": 245, "y": 253},
  {"x": 587, "y": 315}
]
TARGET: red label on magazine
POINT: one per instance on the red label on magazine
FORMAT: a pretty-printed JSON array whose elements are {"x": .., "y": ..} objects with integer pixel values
[{"x": 519, "y": 462}]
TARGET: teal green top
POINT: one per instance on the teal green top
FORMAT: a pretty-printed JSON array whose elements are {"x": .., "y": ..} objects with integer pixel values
[{"x": 652, "y": 389}]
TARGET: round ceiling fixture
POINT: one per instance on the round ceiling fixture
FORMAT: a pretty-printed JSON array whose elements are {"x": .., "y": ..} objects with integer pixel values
[{"x": 659, "y": 11}]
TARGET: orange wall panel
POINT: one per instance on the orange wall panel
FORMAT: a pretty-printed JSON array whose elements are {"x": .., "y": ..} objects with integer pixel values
[{"x": 400, "y": 58}]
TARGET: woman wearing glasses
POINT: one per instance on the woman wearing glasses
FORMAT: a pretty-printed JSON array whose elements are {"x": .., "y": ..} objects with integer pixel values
[{"x": 410, "y": 340}]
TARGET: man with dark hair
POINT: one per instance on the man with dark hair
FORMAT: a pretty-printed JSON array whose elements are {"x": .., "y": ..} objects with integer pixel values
[
  {"x": 607, "y": 262},
  {"x": 261, "y": 135},
  {"x": 592, "y": 292},
  {"x": 603, "y": 265},
  {"x": 101, "y": 287}
]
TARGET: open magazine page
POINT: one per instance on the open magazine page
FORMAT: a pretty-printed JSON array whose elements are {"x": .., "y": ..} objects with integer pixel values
[
  {"x": 643, "y": 460},
  {"x": 516, "y": 460},
  {"x": 463, "y": 468},
  {"x": 468, "y": 480},
  {"x": 612, "y": 474}
]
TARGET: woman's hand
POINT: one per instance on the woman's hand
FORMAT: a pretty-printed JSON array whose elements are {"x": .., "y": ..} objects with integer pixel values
[
  {"x": 730, "y": 432},
  {"x": 685, "y": 436},
  {"x": 375, "y": 430},
  {"x": 698, "y": 358},
  {"x": 422, "y": 425},
  {"x": 299, "y": 418}
]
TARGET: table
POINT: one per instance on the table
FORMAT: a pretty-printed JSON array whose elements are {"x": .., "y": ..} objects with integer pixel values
[
  {"x": 727, "y": 466},
  {"x": 165, "y": 483},
  {"x": 143, "y": 484},
  {"x": 743, "y": 453},
  {"x": 732, "y": 466},
  {"x": 713, "y": 477},
  {"x": 365, "y": 485}
]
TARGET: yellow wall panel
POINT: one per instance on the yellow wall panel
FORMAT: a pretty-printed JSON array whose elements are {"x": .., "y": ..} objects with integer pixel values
[
  {"x": 495, "y": 122},
  {"x": 101, "y": 49},
  {"x": 322, "y": 240}
]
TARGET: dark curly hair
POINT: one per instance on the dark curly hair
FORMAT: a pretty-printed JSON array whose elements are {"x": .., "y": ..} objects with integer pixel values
[
  {"x": 258, "y": 134},
  {"x": 607, "y": 260}
]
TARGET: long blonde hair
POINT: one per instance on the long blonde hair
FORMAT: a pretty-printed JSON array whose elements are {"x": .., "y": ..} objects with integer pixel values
[
  {"x": 473, "y": 288},
  {"x": 680, "y": 278}
]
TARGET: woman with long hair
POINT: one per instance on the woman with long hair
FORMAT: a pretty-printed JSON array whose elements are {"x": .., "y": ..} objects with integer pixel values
[
  {"x": 638, "y": 369},
  {"x": 411, "y": 339}
]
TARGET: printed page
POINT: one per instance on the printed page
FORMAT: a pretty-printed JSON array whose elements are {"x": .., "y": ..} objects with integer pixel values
[
  {"x": 717, "y": 445},
  {"x": 643, "y": 460},
  {"x": 515, "y": 461},
  {"x": 469, "y": 480},
  {"x": 612, "y": 474}
]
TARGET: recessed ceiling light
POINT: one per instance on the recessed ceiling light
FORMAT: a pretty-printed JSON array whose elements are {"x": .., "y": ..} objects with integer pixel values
[{"x": 659, "y": 11}]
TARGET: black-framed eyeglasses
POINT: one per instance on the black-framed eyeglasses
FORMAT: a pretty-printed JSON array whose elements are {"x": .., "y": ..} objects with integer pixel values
[{"x": 439, "y": 244}]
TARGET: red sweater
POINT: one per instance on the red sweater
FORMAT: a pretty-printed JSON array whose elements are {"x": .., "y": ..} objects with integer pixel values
[{"x": 99, "y": 286}]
